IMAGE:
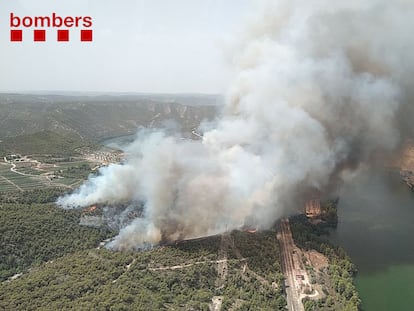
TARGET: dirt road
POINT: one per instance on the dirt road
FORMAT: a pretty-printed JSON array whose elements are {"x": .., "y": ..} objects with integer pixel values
[{"x": 288, "y": 265}]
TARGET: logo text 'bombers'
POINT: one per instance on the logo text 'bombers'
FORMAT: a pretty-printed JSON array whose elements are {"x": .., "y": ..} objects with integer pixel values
[{"x": 63, "y": 26}]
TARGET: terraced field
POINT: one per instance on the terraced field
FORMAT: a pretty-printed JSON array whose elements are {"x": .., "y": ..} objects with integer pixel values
[
  {"x": 12, "y": 180},
  {"x": 5, "y": 185},
  {"x": 65, "y": 181},
  {"x": 29, "y": 170}
]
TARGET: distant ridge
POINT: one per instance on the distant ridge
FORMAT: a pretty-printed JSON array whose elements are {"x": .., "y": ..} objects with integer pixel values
[{"x": 96, "y": 117}]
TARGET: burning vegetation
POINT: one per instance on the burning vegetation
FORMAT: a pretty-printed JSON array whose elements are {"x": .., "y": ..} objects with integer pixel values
[{"x": 321, "y": 91}]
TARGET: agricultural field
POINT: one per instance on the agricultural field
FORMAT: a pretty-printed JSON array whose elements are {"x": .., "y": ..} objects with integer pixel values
[
  {"x": 33, "y": 174},
  {"x": 46, "y": 159},
  {"x": 10, "y": 180}
]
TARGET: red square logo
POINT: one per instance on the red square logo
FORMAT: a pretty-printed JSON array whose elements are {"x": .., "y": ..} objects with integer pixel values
[
  {"x": 39, "y": 35},
  {"x": 86, "y": 35},
  {"x": 16, "y": 35},
  {"x": 63, "y": 35}
]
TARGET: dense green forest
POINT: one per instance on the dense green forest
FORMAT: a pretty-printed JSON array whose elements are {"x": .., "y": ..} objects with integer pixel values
[
  {"x": 329, "y": 212},
  {"x": 34, "y": 233},
  {"x": 62, "y": 267},
  {"x": 45, "y": 195},
  {"x": 182, "y": 276}
]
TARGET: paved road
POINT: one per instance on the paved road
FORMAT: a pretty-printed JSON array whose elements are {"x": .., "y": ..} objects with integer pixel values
[{"x": 287, "y": 246}]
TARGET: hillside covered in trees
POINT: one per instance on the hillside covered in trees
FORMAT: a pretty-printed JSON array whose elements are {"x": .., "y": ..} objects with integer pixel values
[
  {"x": 33, "y": 232},
  {"x": 50, "y": 262}
]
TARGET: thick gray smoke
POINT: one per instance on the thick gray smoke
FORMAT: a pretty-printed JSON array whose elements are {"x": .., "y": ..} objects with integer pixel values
[{"x": 320, "y": 90}]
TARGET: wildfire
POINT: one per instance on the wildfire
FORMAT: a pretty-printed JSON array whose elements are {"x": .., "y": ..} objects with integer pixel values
[{"x": 91, "y": 208}]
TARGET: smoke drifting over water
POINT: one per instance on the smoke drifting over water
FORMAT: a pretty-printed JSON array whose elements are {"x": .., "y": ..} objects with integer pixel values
[{"x": 320, "y": 90}]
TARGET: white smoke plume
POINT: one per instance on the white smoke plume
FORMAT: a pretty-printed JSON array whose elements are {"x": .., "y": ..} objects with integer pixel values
[{"x": 321, "y": 88}]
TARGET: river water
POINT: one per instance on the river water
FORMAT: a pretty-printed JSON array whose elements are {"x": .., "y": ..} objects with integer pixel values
[{"x": 376, "y": 228}]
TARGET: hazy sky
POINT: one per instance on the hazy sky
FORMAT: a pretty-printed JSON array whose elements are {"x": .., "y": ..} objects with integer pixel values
[{"x": 140, "y": 46}]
